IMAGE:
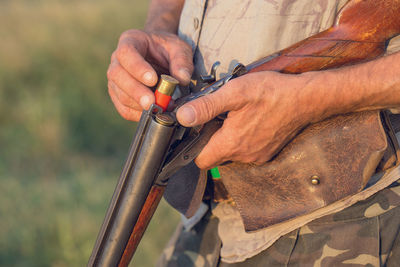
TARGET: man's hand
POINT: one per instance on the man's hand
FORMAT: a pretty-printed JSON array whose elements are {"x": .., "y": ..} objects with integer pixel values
[
  {"x": 134, "y": 66},
  {"x": 266, "y": 110}
]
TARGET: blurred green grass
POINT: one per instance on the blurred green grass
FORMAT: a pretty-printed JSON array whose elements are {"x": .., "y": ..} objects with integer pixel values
[{"x": 62, "y": 144}]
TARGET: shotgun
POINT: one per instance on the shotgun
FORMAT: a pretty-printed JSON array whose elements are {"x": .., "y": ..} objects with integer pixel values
[{"x": 162, "y": 146}]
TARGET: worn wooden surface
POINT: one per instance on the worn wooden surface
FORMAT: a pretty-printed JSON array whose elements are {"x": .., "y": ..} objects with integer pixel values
[
  {"x": 145, "y": 216},
  {"x": 360, "y": 33}
]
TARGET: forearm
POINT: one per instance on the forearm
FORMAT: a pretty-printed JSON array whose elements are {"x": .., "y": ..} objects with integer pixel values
[
  {"x": 368, "y": 86},
  {"x": 164, "y": 15}
]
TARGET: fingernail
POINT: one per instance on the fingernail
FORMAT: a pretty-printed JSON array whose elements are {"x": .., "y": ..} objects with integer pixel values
[
  {"x": 184, "y": 73},
  {"x": 187, "y": 115},
  {"x": 148, "y": 77},
  {"x": 145, "y": 101}
]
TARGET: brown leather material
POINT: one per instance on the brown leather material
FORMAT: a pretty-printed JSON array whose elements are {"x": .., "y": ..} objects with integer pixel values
[
  {"x": 186, "y": 187},
  {"x": 395, "y": 122},
  {"x": 392, "y": 154},
  {"x": 389, "y": 158},
  {"x": 342, "y": 152},
  {"x": 220, "y": 194},
  {"x": 198, "y": 195}
]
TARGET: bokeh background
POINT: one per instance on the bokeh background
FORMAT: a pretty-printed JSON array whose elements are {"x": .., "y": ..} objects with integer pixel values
[{"x": 62, "y": 144}]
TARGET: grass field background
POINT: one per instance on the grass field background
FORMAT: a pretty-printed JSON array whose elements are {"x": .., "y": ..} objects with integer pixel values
[{"x": 62, "y": 144}]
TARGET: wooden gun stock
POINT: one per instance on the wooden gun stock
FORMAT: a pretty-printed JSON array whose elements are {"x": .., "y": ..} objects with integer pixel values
[
  {"x": 360, "y": 33},
  {"x": 143, "y": 221}
]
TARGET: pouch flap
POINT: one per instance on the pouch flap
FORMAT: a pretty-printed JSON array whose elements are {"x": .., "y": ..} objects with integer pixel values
[{"x": 327, "y": 161}]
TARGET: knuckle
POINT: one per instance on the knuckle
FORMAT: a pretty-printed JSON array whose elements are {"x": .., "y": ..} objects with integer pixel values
[
  {"x": 200, "y": 164},
  {"x": 207, "y": 107},
  {"x": 203, "y": 162},
  {"x": 128, "y": 34},
  {"x": 125, "y": 34},
  {"x": 123, "y": 50},
  {"x": 111, "y": 72},
  {"x": 113, "y": 56}
]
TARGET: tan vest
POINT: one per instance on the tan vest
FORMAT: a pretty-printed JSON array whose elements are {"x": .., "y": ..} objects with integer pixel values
[{"x": 243, "y": 31}]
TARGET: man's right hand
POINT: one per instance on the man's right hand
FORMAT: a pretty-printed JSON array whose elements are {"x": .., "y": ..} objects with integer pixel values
[{"x": 136, "y": 63}]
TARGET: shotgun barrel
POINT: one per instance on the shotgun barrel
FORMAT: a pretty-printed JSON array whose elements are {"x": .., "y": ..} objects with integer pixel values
[{"x": 146, "y": 156}]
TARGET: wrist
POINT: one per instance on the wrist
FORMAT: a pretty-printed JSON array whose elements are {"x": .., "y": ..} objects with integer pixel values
[
  {"x": 320, "y": 96},
  {"x": 340, "y": 91}
]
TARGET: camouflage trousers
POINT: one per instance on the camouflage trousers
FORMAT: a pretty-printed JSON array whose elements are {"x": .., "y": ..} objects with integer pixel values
[{"x": 365, "y": 234}]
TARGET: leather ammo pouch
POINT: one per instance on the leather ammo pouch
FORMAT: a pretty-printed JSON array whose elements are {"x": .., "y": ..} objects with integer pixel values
[{"x": 326, "y": 162}]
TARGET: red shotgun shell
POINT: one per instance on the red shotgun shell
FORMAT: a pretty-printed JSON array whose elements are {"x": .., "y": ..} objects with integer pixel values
[{"x": 164, "y": 91}]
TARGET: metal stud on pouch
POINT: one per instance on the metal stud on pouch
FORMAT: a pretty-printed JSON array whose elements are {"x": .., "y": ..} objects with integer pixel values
[{"x": 315, "y": 180}]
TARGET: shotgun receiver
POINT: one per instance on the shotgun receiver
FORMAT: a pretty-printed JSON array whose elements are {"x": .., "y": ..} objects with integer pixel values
[{"x": 161, "y": 146}]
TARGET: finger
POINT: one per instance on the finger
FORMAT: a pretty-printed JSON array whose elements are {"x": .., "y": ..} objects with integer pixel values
[
  {"x": 133, "y": 61},
  {"x": 123, "y": 97},
  {"x": 133, "y": 88},
  {"x": 205, "y": 108},
  {"x": 181, "y": 63},
  {"x": 125, "y": 112},
  {"x": 218, "y": 150}
]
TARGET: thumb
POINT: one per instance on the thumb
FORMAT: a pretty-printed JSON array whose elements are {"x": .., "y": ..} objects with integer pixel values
[{"x": 207, "y": 107}]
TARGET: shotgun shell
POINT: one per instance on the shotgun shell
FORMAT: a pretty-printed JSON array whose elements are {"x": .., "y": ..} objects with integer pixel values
[{"x": 164, "y": 91}]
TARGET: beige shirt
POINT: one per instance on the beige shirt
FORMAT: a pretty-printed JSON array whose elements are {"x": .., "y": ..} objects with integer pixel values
[{"x": 243, "y": 31}]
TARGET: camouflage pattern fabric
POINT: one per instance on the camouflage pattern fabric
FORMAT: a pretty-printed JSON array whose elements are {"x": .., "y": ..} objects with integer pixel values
[
  {"x": 198, "y": 247},
  {"x": 365, "y": 234}
]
